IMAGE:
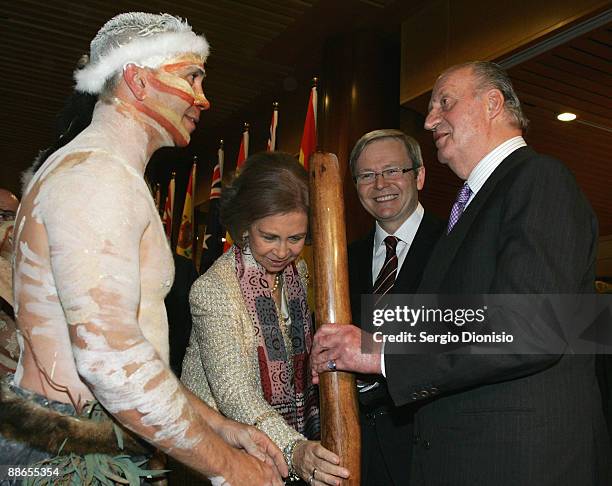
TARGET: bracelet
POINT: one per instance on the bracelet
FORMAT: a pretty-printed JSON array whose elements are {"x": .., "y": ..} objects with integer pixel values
[{"x": 288, "y": 454}]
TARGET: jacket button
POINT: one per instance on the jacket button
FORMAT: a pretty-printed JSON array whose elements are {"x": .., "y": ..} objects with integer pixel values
[
  {"x": 424, "y": 394},
  {"x": 415, "y": 396},
  {"x": 427, "y": 444}
]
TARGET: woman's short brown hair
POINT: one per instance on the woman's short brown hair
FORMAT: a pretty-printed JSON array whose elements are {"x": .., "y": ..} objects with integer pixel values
[{"x": 270, "y": 183}]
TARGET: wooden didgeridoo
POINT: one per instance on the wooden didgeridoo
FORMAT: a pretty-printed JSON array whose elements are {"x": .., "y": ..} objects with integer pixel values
[{"x": 340, "y": 431}]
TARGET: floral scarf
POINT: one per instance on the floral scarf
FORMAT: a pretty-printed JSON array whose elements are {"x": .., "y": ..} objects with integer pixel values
[{"x": 294, "y": 397}]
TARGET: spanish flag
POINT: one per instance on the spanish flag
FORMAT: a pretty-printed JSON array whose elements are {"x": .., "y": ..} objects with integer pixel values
[
  {"x": 273, "y": 125},
  {"x": 184, "y": 245},
  {"x": 169, "y": 209}
]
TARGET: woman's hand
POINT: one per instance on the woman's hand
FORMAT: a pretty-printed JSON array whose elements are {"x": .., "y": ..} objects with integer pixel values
[{"x": 316, "y": 465}]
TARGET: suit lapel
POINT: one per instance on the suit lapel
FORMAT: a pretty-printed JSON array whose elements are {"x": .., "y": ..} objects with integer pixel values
[
  {"x": 448, "y": 245},
  {"x": 360, "y": 262},
  {"x": 408, "y": 278}
]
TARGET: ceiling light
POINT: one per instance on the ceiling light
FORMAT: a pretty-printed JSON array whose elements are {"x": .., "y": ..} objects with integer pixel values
[{"x": 566, "y": 116}]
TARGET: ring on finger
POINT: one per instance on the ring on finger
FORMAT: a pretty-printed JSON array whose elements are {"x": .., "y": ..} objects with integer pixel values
[{"x": 331, "y": 366}]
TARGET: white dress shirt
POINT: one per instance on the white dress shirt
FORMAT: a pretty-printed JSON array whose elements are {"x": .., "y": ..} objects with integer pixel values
[
  {"x": 405, "y": 234},
  {"x": 475, "y": 180},
  {"x": 489, "y": 163}
]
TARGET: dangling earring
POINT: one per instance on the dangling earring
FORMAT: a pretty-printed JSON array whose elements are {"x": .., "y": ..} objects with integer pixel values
[{"x": 245, "y": 243}]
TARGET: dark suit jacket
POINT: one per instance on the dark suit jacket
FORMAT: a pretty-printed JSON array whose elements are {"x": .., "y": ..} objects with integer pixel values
[
  {"x": 392, "y": 430},
  {"x": 510, "y": 419}
]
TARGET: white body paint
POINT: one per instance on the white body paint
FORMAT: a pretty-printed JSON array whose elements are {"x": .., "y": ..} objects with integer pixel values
[{"x": 92, "y": 267}]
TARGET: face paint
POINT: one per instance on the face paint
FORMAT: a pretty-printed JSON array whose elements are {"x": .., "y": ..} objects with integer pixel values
[{"x": 176, "y": 97}]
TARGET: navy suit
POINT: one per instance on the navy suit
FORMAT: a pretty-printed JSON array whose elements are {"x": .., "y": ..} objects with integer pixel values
[
  {"x": 510, "y": 419},
  {"x": 387, "y": 431}
]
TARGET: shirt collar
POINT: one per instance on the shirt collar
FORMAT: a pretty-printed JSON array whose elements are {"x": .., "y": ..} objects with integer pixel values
[
  {"x": 405, "y": 232},
  {"x": 489, "y": 163}
]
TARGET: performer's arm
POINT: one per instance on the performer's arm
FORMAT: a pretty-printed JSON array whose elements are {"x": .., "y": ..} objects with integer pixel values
[{"x": 95, "y": 226}]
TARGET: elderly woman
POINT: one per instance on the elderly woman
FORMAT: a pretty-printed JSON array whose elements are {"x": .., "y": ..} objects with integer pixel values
[{"x": 252, "y": 332}]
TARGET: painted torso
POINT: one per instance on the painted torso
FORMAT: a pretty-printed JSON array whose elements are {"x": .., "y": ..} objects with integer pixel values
[{"x": 78, "y": 173}]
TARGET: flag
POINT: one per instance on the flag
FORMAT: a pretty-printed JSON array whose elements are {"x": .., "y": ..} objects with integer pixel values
[
  {"x": 213, "y": 236},
  {"x": 309, "y": 136},
  {"x": 307, "y": 147},
  {"x": 184, "y": 245},
  {"x": 273, "y": 124},
  {"x": 169, "y": 209},
  {"x": 243, "y": 152}
]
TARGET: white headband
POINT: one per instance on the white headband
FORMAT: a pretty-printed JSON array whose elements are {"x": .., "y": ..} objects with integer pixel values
[{"x": 151, "y": 51}]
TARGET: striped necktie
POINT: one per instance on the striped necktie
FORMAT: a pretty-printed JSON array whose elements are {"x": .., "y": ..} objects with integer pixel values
[{"x": 386, "y": 276}]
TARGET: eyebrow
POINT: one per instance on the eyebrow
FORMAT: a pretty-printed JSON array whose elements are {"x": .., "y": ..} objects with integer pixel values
[
  {"x": 390, "y": 165},
  {"x": 265, "y": 233}
]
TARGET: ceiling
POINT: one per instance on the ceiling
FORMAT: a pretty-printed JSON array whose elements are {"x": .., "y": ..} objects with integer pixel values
[
  {"x": 257, "y": 45},
  {"x": 574, "y": 77}
]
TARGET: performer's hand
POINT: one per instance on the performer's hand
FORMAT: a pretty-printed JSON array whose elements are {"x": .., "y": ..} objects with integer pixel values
[
  {"x": 254, "y": 442},
  {"x": 342, "y": 345},
  {"x": 317, "y": 465},
  {"x": 242, "y": 468}
]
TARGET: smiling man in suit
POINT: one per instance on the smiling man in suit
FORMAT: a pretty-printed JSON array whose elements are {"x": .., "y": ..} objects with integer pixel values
[
  {"x": 388, "y": 171},
  {"x": 520, "y": 225}
]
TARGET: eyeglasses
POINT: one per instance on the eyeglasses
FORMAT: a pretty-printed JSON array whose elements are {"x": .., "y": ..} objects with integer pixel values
[{"x": 392, "y": 173}]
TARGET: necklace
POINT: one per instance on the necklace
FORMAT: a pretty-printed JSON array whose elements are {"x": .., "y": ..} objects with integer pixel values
[{"x": 276, "y": 282}]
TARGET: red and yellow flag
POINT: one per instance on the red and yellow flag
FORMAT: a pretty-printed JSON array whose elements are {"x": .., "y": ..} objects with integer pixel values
[
  {"x": 169, "y": 209},
  {"x": 243, "y": 152},
  {"x": 307, "y": 148},
  {"x": 309, "y": 137},
  {"x": 184, "y": 245},
  {"x": 273, "y": 124}
]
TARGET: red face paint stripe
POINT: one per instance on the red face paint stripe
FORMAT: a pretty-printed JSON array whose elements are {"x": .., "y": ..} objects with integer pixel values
[
  {"x": 161, "y": 86},
  {"x": 177, "y": 66},
  {"x": 177, "y": 136}
]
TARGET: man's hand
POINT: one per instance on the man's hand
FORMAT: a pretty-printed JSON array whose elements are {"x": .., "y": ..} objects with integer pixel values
[
  {"x": 342, "y": 345},
  {"x": 255, "y": 442},
  {"x": 243, "y": 468}
]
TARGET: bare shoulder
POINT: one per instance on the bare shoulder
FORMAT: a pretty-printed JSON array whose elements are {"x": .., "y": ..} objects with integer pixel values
[{"x": 94, "y": 187}]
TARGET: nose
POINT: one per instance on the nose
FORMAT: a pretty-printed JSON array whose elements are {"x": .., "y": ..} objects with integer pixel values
[
  {"x": 200, "y": 100},
  {"x": 282, "y": 250},
  {"x": 432, "y": 120},
  {"x": 379, "y": 180}
]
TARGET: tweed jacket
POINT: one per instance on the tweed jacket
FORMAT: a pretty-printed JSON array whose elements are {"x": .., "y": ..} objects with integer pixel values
[{"x": 220, "y": 364}]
